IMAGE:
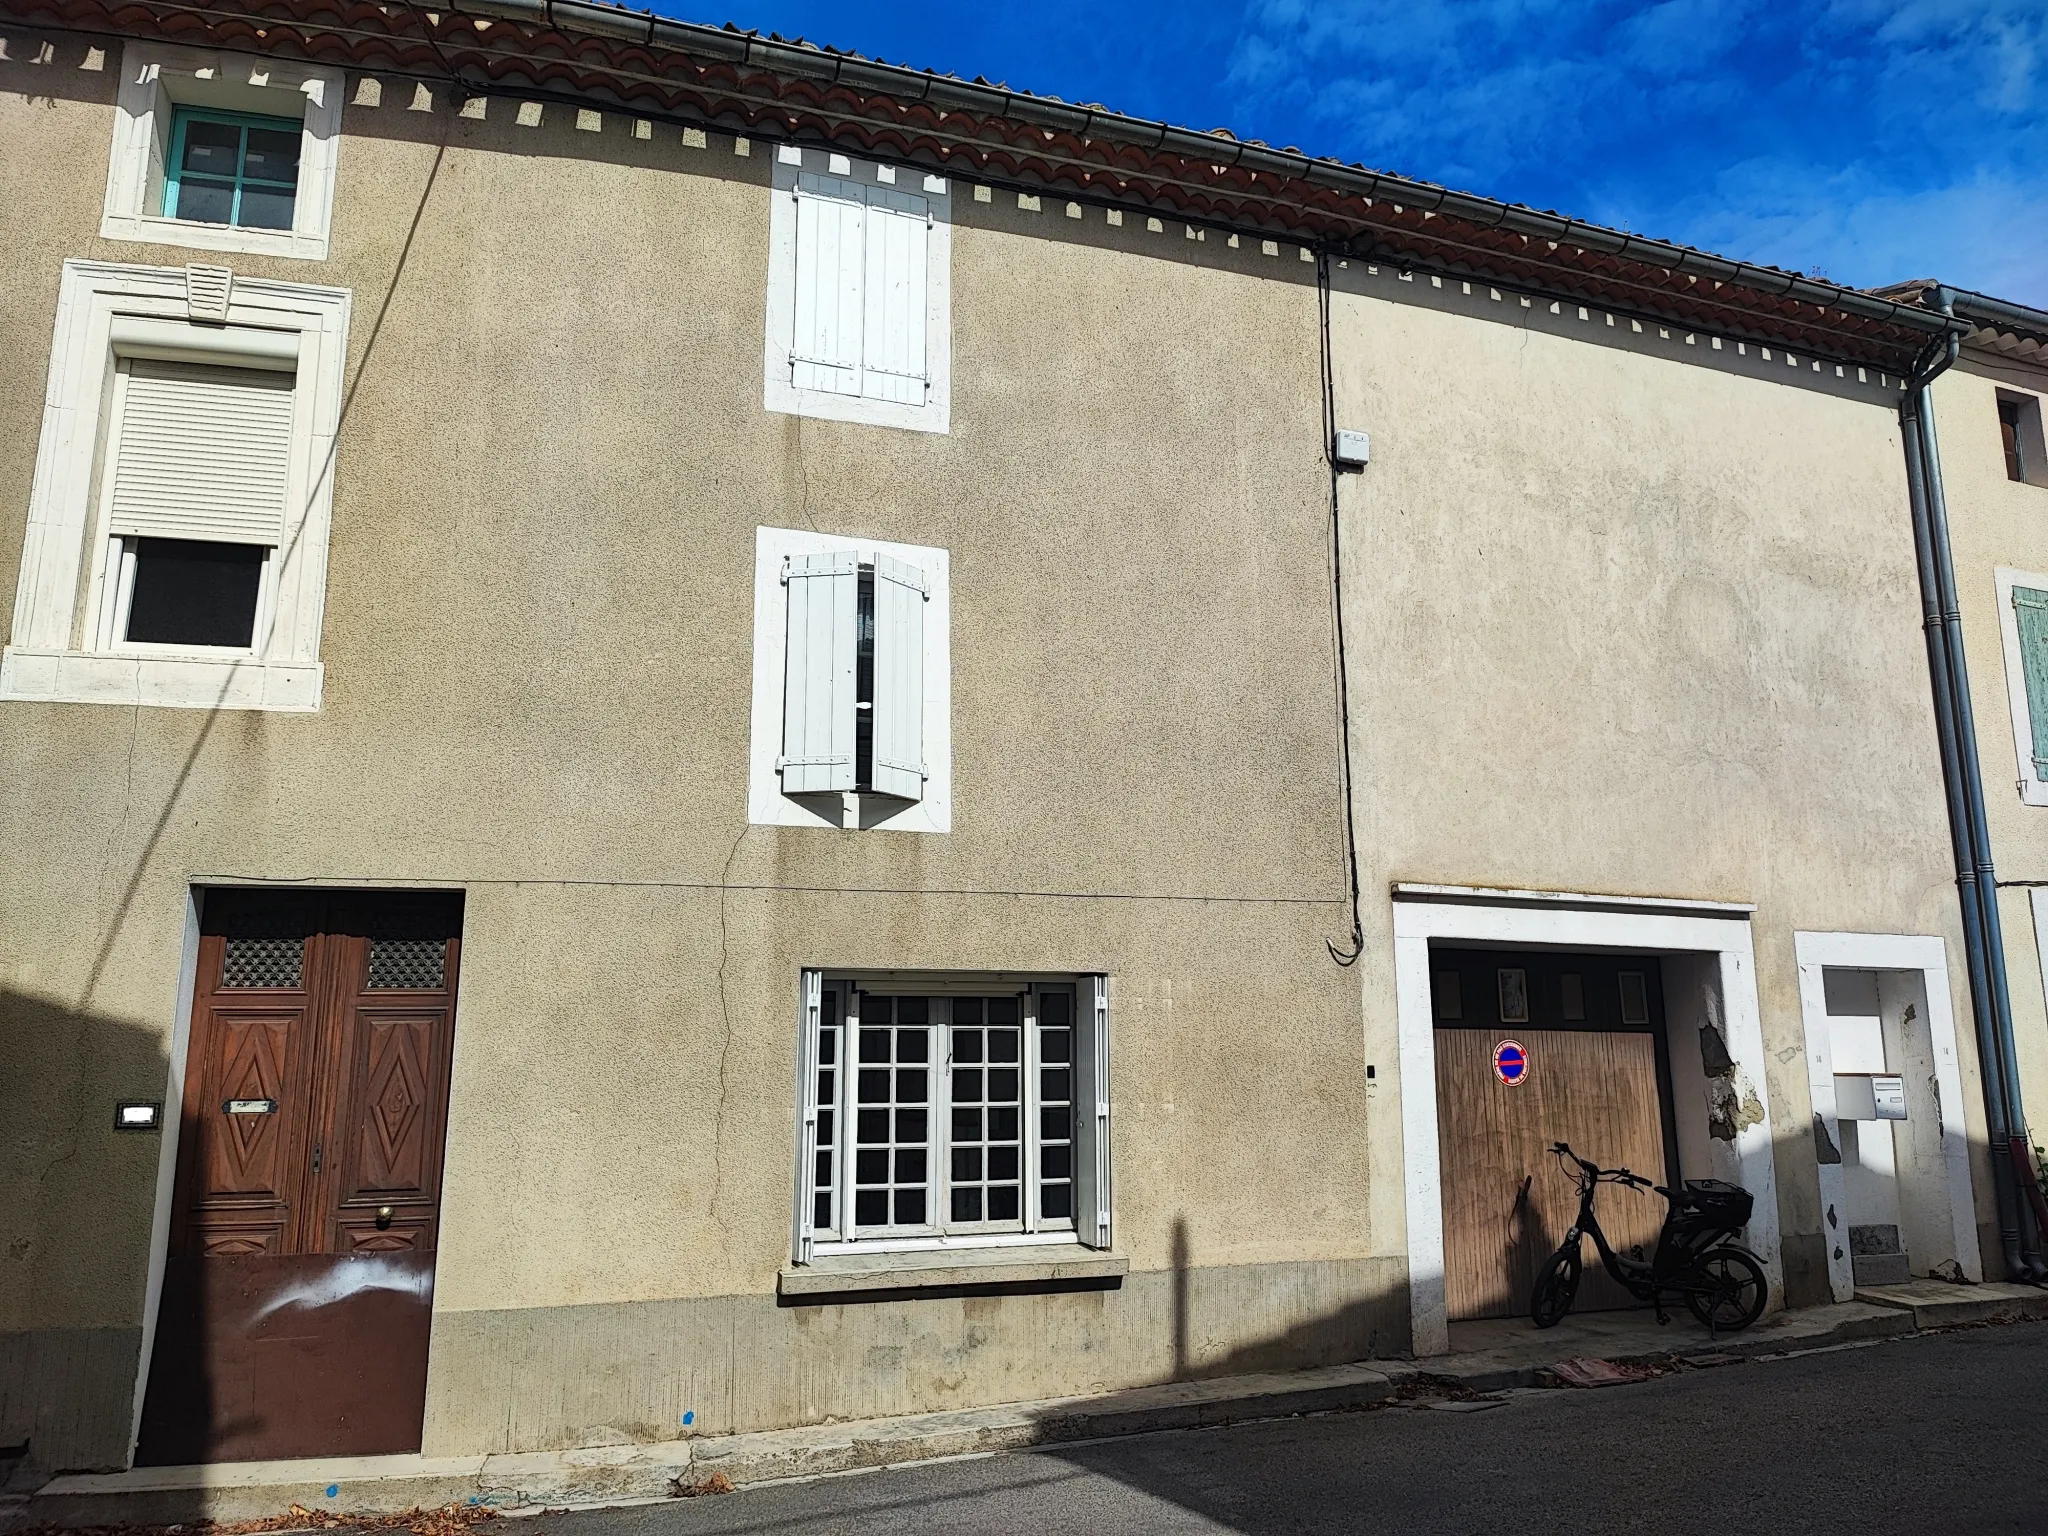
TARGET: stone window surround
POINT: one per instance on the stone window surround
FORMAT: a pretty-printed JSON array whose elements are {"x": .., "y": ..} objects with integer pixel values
[
  {"x": 49, "y": 659},
  {"x": 157, "y": 76},
  {"x": 2033, "y": 791},
  {"x": 767, "y": 805},
  {"x": 778, "y": 393}
]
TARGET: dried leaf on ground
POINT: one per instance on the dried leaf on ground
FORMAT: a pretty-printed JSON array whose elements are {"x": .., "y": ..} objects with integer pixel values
[{"x": 717, "y": 1482}]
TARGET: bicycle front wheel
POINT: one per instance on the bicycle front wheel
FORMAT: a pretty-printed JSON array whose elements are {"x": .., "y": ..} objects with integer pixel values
[
  {"x": 1731, "y": 1290},
  {"x": 1557, "y": 1285}
]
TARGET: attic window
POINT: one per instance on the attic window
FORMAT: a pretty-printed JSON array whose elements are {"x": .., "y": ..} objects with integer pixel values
[{"x": 2019, "y": 432}]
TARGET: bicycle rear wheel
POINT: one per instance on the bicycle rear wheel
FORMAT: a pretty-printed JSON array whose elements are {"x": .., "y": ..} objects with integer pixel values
[
  {"x": 1733, "y": 1292},
  {"x": 1557, "y": 1285}
]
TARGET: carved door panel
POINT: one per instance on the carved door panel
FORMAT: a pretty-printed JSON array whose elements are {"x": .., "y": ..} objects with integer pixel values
[{"x": 299, "y": 1289}]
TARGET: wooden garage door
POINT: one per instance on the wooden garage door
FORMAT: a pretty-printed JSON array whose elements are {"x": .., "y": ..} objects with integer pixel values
[
  {"x": 1507, "y": 1205},
  {"x": 298, "y": 1290}
]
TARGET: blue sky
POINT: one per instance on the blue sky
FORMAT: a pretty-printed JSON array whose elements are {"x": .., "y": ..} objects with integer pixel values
[{"x": 1869, "y": 141}]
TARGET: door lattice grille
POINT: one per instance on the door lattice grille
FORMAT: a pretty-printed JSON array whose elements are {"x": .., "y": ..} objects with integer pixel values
[
  {"x": 264, "y": 962},
  {"x": 409, "y": 964}
]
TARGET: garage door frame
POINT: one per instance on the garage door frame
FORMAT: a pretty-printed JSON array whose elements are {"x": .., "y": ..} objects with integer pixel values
[{"x": 1718, "y": 932}]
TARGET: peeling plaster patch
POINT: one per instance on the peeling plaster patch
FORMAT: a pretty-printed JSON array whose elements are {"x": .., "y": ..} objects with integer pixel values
[
  {"x": 1831, "y": 1218},
  {"x": 1732, "y": 1103},
  {"x": 1826, "y": 1151}
]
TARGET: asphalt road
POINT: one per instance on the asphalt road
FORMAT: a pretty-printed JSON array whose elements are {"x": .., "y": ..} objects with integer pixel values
[{"x": 1943, "y": 1433}]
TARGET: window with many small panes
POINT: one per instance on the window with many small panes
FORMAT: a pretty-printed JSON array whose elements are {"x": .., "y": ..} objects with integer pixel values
[
  {"x": 947, "y": 1115},
  {"x": 232, "y": 168}
]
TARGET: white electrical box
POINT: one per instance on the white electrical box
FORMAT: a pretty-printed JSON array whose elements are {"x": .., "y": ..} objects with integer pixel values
[{"x": 1353, "y": 450}]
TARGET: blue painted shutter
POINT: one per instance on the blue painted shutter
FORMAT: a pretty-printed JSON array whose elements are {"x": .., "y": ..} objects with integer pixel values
[
  {"x": 900, "y": 598},
  {"x": 818, "y": 674},
  {"x": 2030, "y": 607}
]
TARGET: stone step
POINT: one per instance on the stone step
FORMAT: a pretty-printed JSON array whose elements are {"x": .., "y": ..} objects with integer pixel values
[{"x": 1940, "y": 1304}]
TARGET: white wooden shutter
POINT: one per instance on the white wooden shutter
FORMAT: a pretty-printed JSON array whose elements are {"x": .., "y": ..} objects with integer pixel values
[
  {"x": 1091, "y": 1113},
  {"x": 202, "y": 453},
  {"x": 811, "y": 988},
  {"x": 892, "y": 355},
  {"x": 818, "y": 674},
  {"x": 825, "y": 349},
  {"x": 901, "y": 592}
]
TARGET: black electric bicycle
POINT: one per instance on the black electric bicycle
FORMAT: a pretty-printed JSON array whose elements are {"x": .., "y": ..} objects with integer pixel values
[{"x": 1697, "y": 1256}]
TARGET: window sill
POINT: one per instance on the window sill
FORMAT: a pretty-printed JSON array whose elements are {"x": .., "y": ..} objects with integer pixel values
[
  {"x": 76, "y": 677},
  {"x": 194, "y": 236},
  {"x": 950, "y": 1269}
]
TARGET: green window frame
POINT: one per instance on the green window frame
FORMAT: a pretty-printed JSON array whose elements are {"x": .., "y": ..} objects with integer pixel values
[
  {"x": 2030, "y": 613},
  {"x": 251, "y": 192}
]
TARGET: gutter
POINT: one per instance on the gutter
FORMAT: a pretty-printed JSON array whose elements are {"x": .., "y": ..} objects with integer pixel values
[
  {"x": 1963, "y": 786},
  {"x": 902, "y": 83}
]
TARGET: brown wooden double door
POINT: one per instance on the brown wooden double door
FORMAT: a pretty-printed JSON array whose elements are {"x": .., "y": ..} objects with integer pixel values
[
  {"x": 298, "y": 1291},
  {"x": 1591, "y": 1029}
]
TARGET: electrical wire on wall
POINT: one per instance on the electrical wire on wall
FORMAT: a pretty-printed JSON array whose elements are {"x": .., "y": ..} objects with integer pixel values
[{"x": 1342, "y": 957}]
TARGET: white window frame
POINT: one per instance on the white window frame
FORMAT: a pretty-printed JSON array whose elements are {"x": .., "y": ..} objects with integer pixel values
[
  {"x": 62, "y": 650},
  {"x": 1088, "y": 1226},
  {"x": 779, "y": 392},
  {"x": 157, "y": 78},
  {"x": 767, "y": 805},
  {"x": 2033, "y": 791}
]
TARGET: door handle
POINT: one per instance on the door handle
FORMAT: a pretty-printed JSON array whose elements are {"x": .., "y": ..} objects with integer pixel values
[
  {"x": 316, "y": 1157},
  {"x": 383, "y": 1217}
]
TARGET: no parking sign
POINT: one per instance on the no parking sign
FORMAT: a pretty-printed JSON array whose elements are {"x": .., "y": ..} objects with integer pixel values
[{"x": 1511, "y": 1063}]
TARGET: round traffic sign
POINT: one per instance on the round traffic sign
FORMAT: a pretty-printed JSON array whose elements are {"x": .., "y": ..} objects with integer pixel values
[{"x": 1511, "y": 1063}]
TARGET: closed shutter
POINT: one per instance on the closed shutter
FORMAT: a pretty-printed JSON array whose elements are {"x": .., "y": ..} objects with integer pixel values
[
  {"x": 818, "y": 676},
  {"x": 825, "y": 350},
  {"x": 202, "y": 453},
  {"x": 2030, "y": 607},
  {"x": 892, "y": 355},
  {"x": 900, "y": 597},
  {"x": 1091, "y": 1114}
]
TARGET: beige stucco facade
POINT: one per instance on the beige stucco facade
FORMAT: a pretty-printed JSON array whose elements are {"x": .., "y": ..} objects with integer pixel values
[{"x": 1627, "y": 616}]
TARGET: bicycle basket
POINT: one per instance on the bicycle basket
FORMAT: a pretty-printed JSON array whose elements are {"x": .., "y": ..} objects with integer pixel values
[{"x": 1703, "y": 1213}]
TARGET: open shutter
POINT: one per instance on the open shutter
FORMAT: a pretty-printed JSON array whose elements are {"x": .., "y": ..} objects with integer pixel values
[
  {"x": 892, "y": 354},
  {"x": 825, "y": 348},
  {"x": 901, "y": 592},
  {"x": 1091, "y": 1114},
  {"x": 811, "y": 987},
  {"x": 818, "y": 676},
  {"x": 2030, "y": 607},
  {"x": 202, "y": 453}
]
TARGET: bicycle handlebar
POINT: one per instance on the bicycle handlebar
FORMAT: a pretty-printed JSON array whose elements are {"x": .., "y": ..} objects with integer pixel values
[{"x": 1613, "y": 1175}]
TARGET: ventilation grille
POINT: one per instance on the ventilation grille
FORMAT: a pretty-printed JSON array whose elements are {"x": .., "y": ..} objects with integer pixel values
[
  {"x": 263, "y": 962},
  {"x": 419, "y": 965}
]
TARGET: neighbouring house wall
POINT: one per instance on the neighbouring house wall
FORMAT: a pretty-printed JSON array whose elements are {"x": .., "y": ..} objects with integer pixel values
[
  {"x": 1997, "y": 522},
  {"x": 1628, "y": 615},
  {"x": 538, "y": 651}
]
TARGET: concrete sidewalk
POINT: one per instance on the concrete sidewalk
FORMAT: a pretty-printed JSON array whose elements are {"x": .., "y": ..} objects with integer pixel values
[{"x": 1486, "y": 1356}]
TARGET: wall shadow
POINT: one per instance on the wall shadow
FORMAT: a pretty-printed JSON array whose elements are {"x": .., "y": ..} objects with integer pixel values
[{"x": 77, "y": 1203}]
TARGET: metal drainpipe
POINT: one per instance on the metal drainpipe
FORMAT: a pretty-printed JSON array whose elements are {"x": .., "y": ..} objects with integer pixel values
[{"x": 1983, "y": 934}]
